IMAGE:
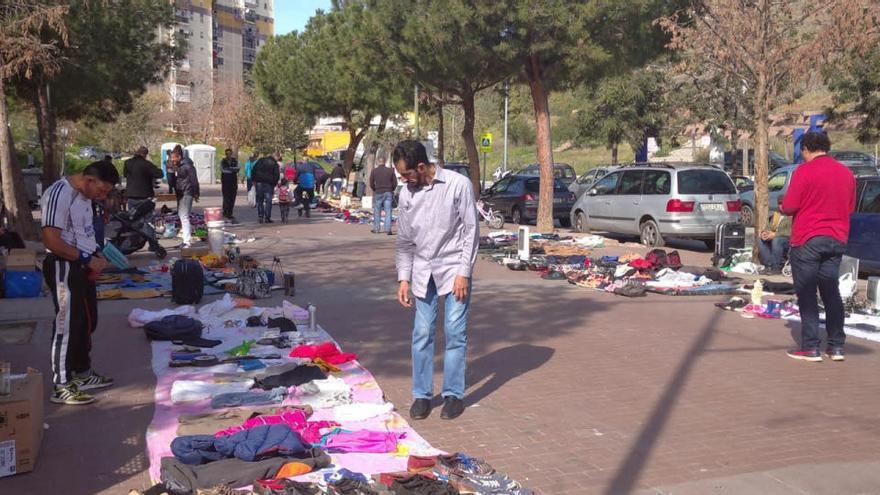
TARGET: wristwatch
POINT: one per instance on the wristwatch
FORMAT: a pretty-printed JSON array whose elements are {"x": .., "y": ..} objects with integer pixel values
[{"x": 85, "y": 257}]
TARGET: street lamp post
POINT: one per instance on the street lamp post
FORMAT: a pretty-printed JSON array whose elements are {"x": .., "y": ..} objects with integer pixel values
[
  {"x": 506, "y": 98},
  {"x": 416, "y": 105},
  {"x": 64, "y": 133}
]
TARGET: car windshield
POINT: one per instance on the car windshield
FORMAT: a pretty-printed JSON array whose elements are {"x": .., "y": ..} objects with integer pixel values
[
  {"x": 532, "y": 186},
  {"x": 461, "y": 169},
  {"x": 704, "y": 182},
  {"x": 863, "y": 170}
]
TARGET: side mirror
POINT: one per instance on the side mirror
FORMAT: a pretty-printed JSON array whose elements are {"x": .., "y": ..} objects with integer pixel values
[{"x": 593, "y": 192}]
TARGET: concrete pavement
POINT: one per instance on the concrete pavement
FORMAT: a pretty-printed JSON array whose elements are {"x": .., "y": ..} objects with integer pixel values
[{"x": 569, "y": 390}]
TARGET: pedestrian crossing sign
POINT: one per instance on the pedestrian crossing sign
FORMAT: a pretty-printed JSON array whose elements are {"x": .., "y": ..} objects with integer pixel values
[{"x": 486, "y": 142}]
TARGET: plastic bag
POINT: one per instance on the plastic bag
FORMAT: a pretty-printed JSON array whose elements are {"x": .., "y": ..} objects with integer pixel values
[
  {"x": 252, "y": 197},
  {"x": 846, "y": 285},
  {"x": 22, "y": 284}
]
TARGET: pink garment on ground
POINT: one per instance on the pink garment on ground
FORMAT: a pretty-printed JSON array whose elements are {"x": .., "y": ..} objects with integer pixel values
[
  {"x": 310, "y": 431},
  {"x": 325, "y": 350},
  {"x": 365, "y": 441}
]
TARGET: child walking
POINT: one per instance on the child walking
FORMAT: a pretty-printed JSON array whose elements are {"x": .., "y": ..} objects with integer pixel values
[{"x": 284, "y": 199}]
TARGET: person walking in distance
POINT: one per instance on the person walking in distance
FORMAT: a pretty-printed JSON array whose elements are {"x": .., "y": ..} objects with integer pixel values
[
  {"x": 383, "y": 182},
  {"x": 248, "y": 169},
  {"x": 306, "y": 173},
  {"x": 187, "y": 189},
  {"x": 70, "y": 269},
  {"x": 229, "y": 183},
  {"x": 337, "y": 177},
  {"x": 140, "y": 175},
  {"x": 437, "y": 239},
  {"x": 266, "y": 174},
  {"x": 821, "y": 197}
]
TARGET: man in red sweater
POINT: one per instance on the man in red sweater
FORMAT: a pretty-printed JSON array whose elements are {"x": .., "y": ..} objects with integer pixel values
[{"x": 820, "y": 197}]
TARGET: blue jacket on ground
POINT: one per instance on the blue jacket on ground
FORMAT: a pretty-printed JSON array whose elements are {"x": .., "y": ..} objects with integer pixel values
[{"x": 254, "y": 444}]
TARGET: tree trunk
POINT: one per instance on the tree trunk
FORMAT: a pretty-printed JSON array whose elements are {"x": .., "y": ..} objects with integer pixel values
[
  {"x": 371, "y": 155},
  {"x": 46, "y": 129},
  {"x": 441, "y": 142},
  {"x": 543, "y": 143},
  {"x": 762, "y": 196},
  {"x": 354, "y": 140},
  {"x": 15, "y": 200},
  {"x": 470, "y": 144},
  {"x": 614, "y": 148}
]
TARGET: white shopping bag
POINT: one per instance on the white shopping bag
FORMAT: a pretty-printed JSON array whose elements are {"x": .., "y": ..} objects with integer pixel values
[{"x": 252, "y": 197}]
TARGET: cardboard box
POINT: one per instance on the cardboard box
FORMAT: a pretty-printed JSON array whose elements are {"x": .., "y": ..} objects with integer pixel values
[
  {"x": 195, "y": 252},
  {"x": 21, "y": 260},
  {"x": 21, "y": 424}
]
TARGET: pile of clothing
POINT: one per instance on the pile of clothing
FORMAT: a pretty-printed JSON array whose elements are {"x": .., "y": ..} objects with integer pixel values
[
  {"x": 630, "y": 275},
  {"x": 250, "y": 396}
]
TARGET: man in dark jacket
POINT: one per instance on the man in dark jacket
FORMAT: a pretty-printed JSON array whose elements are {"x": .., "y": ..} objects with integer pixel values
[
  {"x": 187, "y": 189},
  {"x": 140, "y": 175},
  {"x": 383, "y": 182},
  {"x": 337, "y": 176},
  {"x": 229, "y": 183},
  {"x": 265, "y": 175}
]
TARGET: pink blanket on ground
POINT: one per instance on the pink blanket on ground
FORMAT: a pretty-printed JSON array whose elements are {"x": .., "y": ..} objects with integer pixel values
[{"x": 364, "y": 388}]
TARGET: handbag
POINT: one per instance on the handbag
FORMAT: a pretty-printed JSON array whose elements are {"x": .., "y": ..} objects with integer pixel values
[{"x": 253, "y": 283}]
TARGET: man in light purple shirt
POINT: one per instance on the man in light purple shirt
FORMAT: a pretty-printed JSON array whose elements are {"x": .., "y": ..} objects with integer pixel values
[{"x": 437, "y": 240}]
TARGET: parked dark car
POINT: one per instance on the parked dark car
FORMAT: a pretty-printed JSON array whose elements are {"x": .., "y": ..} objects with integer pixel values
[
  {"x": 733, "y": 161},
  {"x": 561, "y": 171},
  {"x": 864, "y": 225},
  {"x": 516, "y": 197},
  {"x": 586, "y": 180},
  {"x": 854, "y": 158},
  {"x": 460, "y": 167}
]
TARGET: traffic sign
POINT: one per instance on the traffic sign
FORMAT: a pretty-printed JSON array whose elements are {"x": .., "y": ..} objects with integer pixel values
[{"x": 486, "y": 142}]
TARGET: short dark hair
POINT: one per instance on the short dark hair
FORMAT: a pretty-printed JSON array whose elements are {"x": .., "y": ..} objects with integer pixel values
[
  {"x": 228, "y": 150},
  {"x": 103, "y": 171},
  {"x": 411, "y": 152},
  {"x": 816, "y": 141},
  {"x": 178, "y": 150}
]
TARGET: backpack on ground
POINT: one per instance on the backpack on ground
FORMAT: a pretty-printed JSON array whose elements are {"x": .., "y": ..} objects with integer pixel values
[{"x": 187, "y": 282}]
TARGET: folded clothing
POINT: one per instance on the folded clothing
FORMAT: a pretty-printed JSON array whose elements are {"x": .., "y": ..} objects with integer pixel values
[
  {"x": 192, "y": 390},
  {"x": 291, "y": 378},
  {"x": 253, "y": 398},
  {"x": 254, "y": 444},
  {"x": 326, "y": 351},
  {"x": 327, "y": 393},
  {"x": 366, "y": 441}
]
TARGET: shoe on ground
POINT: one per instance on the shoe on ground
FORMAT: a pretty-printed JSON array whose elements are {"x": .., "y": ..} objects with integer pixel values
[
  {"x": 811, "y": 355},
  {"x": 376, "y": 231},
  {"x": 420, "y": 409},
  {"x": 92, "y": 381},
  {"x": 260, "y": 220},
  {"x": 269, "y": 220},
  {"x": 390, "y": 233},
  {"x": 183, "y": 245},
  {"x": 835, "y": 353},
  {"x": 70, "y": 395},
  {"x": 452, "y": 408},
  {"x": 461, "y": 465}
]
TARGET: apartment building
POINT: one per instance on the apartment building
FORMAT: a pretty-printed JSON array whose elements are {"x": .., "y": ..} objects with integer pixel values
[{"x": 223, "y": 37}]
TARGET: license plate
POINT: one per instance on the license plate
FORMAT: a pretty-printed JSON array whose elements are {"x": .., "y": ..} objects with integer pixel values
[
  {"x": 711, "y": 206},
  {"x": 557, "y": 201}
]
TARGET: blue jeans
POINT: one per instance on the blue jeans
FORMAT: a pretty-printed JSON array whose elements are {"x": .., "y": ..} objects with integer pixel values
[
  {"x": 455, "y": 327},
  {"x": 337, "y": 187},
  {"x": 382, "y": 201},
  {"x": 264, "y": 199},
  {"x": 814, "y": 265},
  {"x": 773, "y": 252}
]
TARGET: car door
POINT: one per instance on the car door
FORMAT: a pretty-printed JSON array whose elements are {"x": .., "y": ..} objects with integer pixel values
[
  {"x": 494, "y": 195},
  {"x": 864, "y": 225},
  {"x": 655, "y": 195},
  {"x": 599, "y": 204},
  {"x": 626, "y": 204},
  {"x": 776, "y": 186}
]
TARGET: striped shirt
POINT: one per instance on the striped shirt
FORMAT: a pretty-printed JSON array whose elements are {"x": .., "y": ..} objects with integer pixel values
[{"x": 64, "y": 208}]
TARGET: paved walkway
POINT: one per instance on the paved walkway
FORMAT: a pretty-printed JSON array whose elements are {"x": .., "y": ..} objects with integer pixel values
[{"x": 570, "y": 391}]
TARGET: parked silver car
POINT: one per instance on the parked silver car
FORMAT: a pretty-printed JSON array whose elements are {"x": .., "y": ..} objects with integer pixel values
[
  {"x": 659, "y": 201},
  {"x": 583, "y": 183}
]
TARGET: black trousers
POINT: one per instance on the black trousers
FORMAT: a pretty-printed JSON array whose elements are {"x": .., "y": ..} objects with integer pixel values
[
  {"x": 305, "y": 196},
  {"x": 76, "y": 317},
  {"x": 172, "y": 183},
  {"x": 229, "y": 187},
  {"x": 816, "y": 265}
]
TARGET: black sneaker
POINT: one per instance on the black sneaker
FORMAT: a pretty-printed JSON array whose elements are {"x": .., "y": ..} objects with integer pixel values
[
  {"x": 93, "y": 381},
  {"x": 421, "y": 409},
  {"x": 260, "y": 220},
  {"x": 269, "y": 220},
  {"x": 452, "y": 408},
  {"x": 70, "y": 395},
  {"x": 835, "y": 353},
  {"x": 811, "y": 355}
]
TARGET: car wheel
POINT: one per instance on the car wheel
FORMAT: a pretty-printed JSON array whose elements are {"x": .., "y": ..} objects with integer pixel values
[
  {"x": 565, "y": 223},
  {"x": 747, "y": 215},
  {"x": 516, "y": 216},
  {"x": 581, "y": 224},
  {"x": 650, "y": 234}
]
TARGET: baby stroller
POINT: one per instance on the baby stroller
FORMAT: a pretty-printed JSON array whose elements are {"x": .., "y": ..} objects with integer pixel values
[{"x": 492, "y": 218}]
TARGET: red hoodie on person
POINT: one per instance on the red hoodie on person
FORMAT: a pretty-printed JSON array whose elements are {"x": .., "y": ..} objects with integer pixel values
[{"x": 821, "y": 197}]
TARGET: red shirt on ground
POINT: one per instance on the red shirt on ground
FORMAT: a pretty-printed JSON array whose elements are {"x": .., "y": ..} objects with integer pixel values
[{"x": 821, "y": 197}]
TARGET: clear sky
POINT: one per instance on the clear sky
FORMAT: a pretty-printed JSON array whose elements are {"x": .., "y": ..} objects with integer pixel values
[{"x": 292, "y": 15}]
